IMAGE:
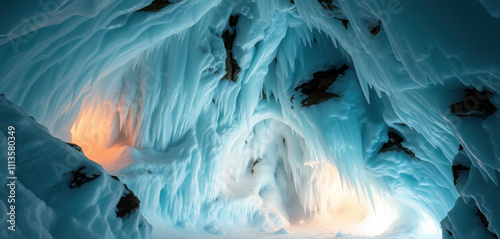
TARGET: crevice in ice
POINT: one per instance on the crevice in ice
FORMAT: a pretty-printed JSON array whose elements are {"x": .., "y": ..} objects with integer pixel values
[
  {"x": 460, "y": 172},
  {"x": 485, "y": 221},
  {"x": 394, "y": 144},
  {"x": 228, "y": 36},
  {"x": 473, "y": 203},
  {"x": 157, "y": 5},
  {"x": 331, "y": 6},
  {"x": 345, "y": 22},
  {"x": 374, "y": 27}
]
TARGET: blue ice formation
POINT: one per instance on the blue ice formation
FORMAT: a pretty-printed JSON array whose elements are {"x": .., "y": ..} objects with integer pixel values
[{"x": 242, "y": 118}]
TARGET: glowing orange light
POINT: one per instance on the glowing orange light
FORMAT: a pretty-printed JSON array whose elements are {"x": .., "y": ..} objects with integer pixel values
[
  {"x": 97, "y": 131},
  {"x": 341, "y": 209}
]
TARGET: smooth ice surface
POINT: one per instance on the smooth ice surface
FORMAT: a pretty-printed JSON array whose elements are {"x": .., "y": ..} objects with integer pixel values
[{"x": 141, "y": 93}]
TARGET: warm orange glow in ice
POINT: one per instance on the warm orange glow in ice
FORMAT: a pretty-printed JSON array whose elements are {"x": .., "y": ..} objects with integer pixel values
[
  {"x": 344, "y": 210},
  {"x": 97, "y": 131}
]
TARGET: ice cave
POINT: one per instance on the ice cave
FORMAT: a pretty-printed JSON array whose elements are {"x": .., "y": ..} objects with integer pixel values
[{"x": 250, "y": 119}]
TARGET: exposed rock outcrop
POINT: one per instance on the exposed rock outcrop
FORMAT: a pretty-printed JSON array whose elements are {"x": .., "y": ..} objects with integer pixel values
[{"x": 316, "y": 89}]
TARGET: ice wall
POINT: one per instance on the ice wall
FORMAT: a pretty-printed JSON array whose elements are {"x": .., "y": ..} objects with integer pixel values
[
  {"x": 54, "y": 191},
  {"x": 220, "y": 113}
]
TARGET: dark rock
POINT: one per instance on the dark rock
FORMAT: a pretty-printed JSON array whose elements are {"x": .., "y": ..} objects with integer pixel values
[
  {"x": 264, "y": 96},
  {"x": 115, "y": 178},
  {"x": 332, "y": 9},
  {"x": 394, "y": 144},
  {"x": 75, "y": 146},
  {"x": 460, "y": 148},
  {"x": 328, "y": 4},
  {"x": 81, "y": 176},
  {"x": 128, "y": 203},
  {"x": 476, "y": 104},
  {"x": 322, "y": 80},
  {"x": 253, "y": 166},
  {"x": 318, "y": 98},
  {"x": 149, "y": 172},
  {"x": 459, "y": 171},
  {"x": 157, "y": 5},
  {"x": 315, "y": 89},
  {"x": 344, "y": 21},
  {"x": 400, "y": 124},
  {"x": 2, "y": 94},
  {"x": 228, "y": 36},
  {"x": 374, "y": 29}
]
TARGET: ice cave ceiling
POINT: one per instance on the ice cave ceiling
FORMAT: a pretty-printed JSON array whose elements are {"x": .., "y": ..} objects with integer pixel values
[{"x": 250, "y": 118}]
